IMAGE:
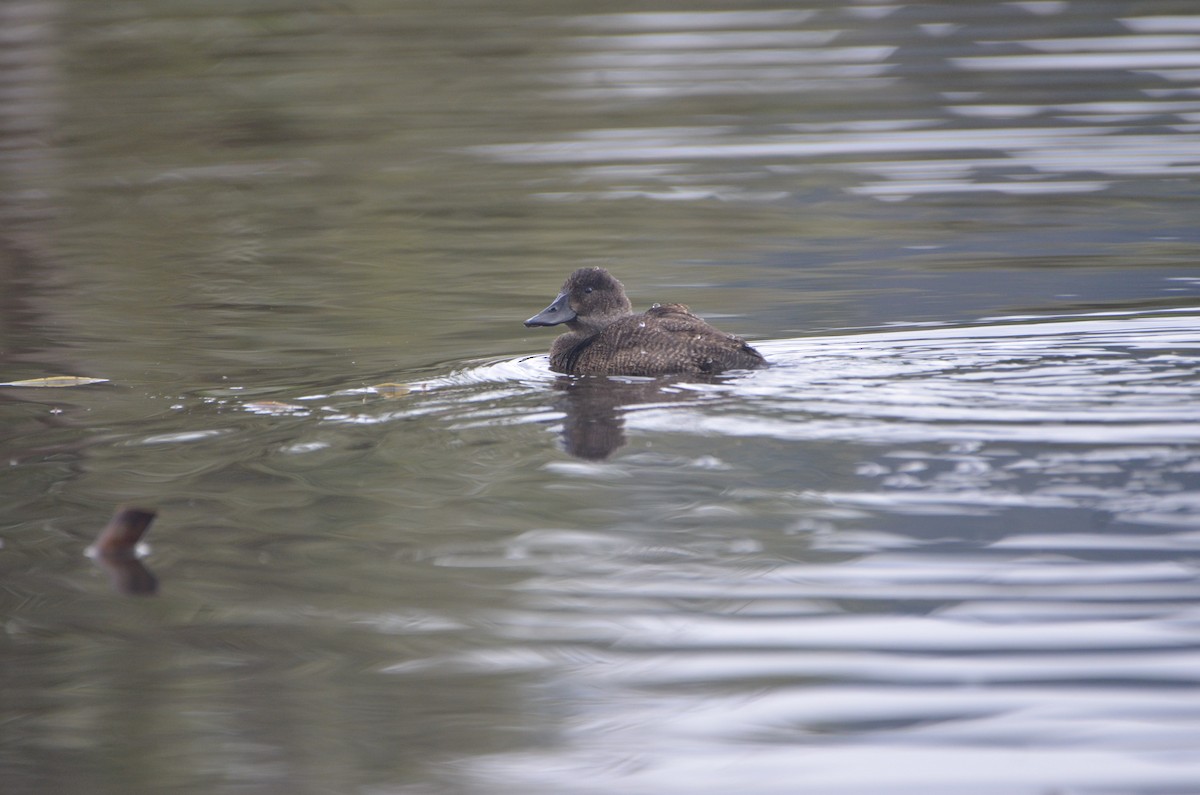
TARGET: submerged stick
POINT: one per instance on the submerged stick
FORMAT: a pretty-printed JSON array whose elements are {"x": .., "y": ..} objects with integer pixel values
[{"x": 116, "y": 551}]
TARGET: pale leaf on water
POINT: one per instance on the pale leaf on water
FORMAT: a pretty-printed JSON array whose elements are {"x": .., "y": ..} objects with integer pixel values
[
  {"x": 392, "y": 390},
  {"x": 56, "y": 381}
]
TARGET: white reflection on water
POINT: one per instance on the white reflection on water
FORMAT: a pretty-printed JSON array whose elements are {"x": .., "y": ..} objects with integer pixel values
[
  {"x": 1091, "y": 381},
  {"x": 692, "y": 20},
  {"x": 1087, "y": 61},
  {"x": 695, "y": 767},
  {"x": 1013, "y": 599},
  {"x": 1162, "y": 24},
  {"x": 1109, "y": 378},
  {"x": 1038, "y": 156},
  {"x": 708, "y": 40},
  {"x": 1111, "y": 43},
  {"x": 820, "y": 59}
]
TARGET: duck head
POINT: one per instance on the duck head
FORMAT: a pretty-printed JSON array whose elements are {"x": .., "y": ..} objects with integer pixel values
[{"x": 590, "y": 299}]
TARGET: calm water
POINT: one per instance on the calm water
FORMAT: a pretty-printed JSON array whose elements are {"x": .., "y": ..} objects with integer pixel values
[{"x": 948, "y": 543}]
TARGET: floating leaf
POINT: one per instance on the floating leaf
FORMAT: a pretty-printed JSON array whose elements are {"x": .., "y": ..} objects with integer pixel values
[
  {"x": 392, "y": 390},
  {"x": 57, "y": 381}
]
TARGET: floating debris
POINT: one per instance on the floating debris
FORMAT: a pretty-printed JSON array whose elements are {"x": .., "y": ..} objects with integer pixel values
[
  {"x": 116, "y": 551},
  {"x": 56, "y": 381},
  {"x": 393, "y": 390}
]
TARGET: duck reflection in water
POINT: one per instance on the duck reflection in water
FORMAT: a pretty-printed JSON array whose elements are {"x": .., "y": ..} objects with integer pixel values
[
  {"x": 594, "y": 423},
  {"x": 594, "y": 428},
  {"x": 605, "y": 338},
  {"x": 595, "y": 408}
]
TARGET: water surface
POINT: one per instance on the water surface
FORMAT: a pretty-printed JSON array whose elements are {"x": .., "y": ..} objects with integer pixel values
[{"x": 946, "y": 543}]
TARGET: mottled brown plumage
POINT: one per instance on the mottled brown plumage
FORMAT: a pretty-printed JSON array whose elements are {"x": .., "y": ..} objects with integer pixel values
[{"x": 606, "y": 338}]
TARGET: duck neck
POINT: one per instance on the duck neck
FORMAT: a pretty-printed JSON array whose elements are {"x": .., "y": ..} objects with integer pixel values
[{"x": 591, "y": 326}]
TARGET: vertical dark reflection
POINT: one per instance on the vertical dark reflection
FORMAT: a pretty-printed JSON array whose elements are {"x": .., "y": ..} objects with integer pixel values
[
  {"x": 594, "y": 426},
  {"x": 30, "y": 87}
]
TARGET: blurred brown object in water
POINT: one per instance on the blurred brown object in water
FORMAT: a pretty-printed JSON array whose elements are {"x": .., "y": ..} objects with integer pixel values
[{"x": 116, "y": 551}]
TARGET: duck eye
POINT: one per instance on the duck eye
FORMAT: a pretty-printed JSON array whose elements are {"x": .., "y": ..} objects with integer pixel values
[{"x": 587, "y": 289}]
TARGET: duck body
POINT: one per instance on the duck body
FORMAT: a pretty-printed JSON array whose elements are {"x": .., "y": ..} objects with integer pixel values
[{"x": 605, "y": 337}]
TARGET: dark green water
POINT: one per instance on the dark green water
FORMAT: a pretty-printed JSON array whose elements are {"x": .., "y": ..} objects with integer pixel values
[{"x": 946, "y": 544}]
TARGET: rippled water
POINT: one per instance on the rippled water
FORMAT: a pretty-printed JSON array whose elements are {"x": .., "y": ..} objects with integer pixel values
[
  {"x": 984, "y": 566},
  {"x": 946, "y": 543}
]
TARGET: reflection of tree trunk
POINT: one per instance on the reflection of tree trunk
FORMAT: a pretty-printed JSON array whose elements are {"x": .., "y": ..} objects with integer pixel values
[
  {"x": 16, "y": 264},
  {"x": 30, "y": 80}
]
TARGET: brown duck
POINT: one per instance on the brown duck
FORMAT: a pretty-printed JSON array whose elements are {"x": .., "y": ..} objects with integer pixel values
[{"x": 606, "y": 338}]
